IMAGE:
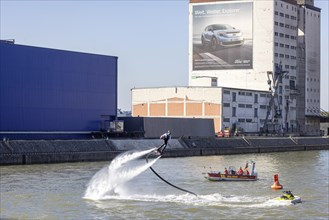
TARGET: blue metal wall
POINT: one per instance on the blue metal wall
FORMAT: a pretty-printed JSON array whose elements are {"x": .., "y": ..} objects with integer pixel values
[{"x": 54, "y": 90}]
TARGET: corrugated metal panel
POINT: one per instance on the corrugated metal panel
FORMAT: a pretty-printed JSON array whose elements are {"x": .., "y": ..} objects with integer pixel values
[
  {"x": 197, "y": 127},
  {"x": 54, "y": 90}
]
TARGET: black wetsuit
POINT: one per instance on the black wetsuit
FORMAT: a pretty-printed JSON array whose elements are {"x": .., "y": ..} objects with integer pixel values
[{"x": 165, "y": 138}]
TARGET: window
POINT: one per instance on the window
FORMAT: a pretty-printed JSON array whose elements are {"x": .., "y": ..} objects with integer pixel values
[
  {"x": 281, "y": 45},
  {"x": 292, "y": 84},
  {"x": 256, "y": 98},
  {"x": 242, "y": 93},
  {"x": 248, "y": 94},
  {"x": 233, "y": 111},
  {"x": 213, "y": 82},
  {"x": 241, "y": 105},
  {"x": 234, "y": 96},
  {"x": 241, "y": 120},
  {"x": 255, "y": 112},
  {"x": 248, "y": 106},
  {"x": 226, "y": 120},
  {"x": 248, "y": 120},
  {"x": 227, "y": 92},
  {"x": 226, "y": 104},
  {"x": 262, "y": 106}
]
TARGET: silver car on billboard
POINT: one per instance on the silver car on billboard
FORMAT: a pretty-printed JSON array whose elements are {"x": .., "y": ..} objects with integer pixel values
[{"x": 221, "y": 35}]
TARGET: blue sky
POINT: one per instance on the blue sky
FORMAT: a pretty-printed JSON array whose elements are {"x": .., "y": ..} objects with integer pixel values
[{"x": 149, "y": 37}]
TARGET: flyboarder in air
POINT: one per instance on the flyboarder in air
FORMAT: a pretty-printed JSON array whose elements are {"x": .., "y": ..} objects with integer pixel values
[{"x": 165, "y": 137}]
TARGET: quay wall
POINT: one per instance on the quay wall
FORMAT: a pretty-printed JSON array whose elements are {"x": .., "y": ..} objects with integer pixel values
[{"x": 19, "y": 152}]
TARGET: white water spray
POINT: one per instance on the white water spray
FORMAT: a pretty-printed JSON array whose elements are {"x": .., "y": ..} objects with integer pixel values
[{"x": 108, "y": 180}]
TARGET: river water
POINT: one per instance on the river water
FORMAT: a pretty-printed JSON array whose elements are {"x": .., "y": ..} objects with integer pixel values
[{"x": 129, "y": 190}]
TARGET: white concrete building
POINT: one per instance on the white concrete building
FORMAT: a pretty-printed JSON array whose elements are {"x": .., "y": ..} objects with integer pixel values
[
  {"x": 277, "y": 33},
  {"x": 308, "y": 63}
]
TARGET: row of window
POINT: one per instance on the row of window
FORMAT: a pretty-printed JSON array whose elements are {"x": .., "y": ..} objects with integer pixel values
[
  {"x": 287, "y": 46},
  {"x": 313, "y": 110},
  {"x": 239, "y": 105},
  {"x": 313, "y": 90},
  {"x": 314, "y": 14},
  {"x": 287, "y": 36},
  {"x": 313, "y": 100},
  {"x": 311, "y": 79},
  {"x": 288, "y": 26},
  {"x": 293, "y": 8},
  {"x": 239, "y": 120},
  {"x": 245, "y": 93},
  {"x": 294, "y": 18},
  {"x": 286, "y": 56},
  {"x": 250, "y": 106},
  {"x": 287, "y": 66},
  {"x": 234, "y": 112},
  {"x": 240, "y": 93},
  {"x": 263, "y": 95}
]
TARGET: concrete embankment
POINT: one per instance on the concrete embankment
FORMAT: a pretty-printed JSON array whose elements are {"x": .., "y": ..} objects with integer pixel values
[{"x": 15, "y": 152}]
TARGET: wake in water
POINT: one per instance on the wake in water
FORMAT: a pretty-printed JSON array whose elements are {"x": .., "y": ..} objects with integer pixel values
[
  {"x": 215, "y": 200},
  {"x": 108, "y": 183},
  {"x": 110, "y": 179}
]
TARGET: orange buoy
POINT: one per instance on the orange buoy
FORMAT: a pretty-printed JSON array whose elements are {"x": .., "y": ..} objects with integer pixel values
[{"x": 276, "y": 184}]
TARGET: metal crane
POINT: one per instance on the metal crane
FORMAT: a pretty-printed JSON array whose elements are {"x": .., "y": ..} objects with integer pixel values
[{"x": 273, "y": 82}]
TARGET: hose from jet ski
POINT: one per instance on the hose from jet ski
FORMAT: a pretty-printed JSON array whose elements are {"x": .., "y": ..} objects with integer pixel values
[{"x": 166, "y": 180}]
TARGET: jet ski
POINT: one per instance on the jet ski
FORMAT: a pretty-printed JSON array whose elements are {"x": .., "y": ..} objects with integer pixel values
[{"x": 288, "y": 196}]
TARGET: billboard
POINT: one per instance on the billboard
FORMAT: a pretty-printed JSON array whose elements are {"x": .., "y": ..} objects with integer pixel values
[{"x": 222, "y": 36}]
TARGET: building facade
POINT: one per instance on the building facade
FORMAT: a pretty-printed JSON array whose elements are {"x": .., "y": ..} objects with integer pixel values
[
  {"x": 230, "y": 108},
  {"x": 49, "y": 93},
  {"x": 308, "y": 80},
  {"x": 263, "y": 45}
]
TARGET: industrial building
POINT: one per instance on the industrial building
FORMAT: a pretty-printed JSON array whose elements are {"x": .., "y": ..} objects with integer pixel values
[
  {"x": 48, "y": 93},
  {"x": 230, "y": 108},
  {"x": 264, "y": 48}
]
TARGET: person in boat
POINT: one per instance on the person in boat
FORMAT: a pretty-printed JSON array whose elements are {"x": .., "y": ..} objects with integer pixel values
[
  {"x": 165, "y": 137},
  {"x": 226, "y": 171},
  {"x": 240, "y": 171},
  {"x": 246, "y": 172}
]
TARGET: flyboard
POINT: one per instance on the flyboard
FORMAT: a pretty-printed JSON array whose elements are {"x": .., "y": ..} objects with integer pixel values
[{"x": 159, "y": 151}]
